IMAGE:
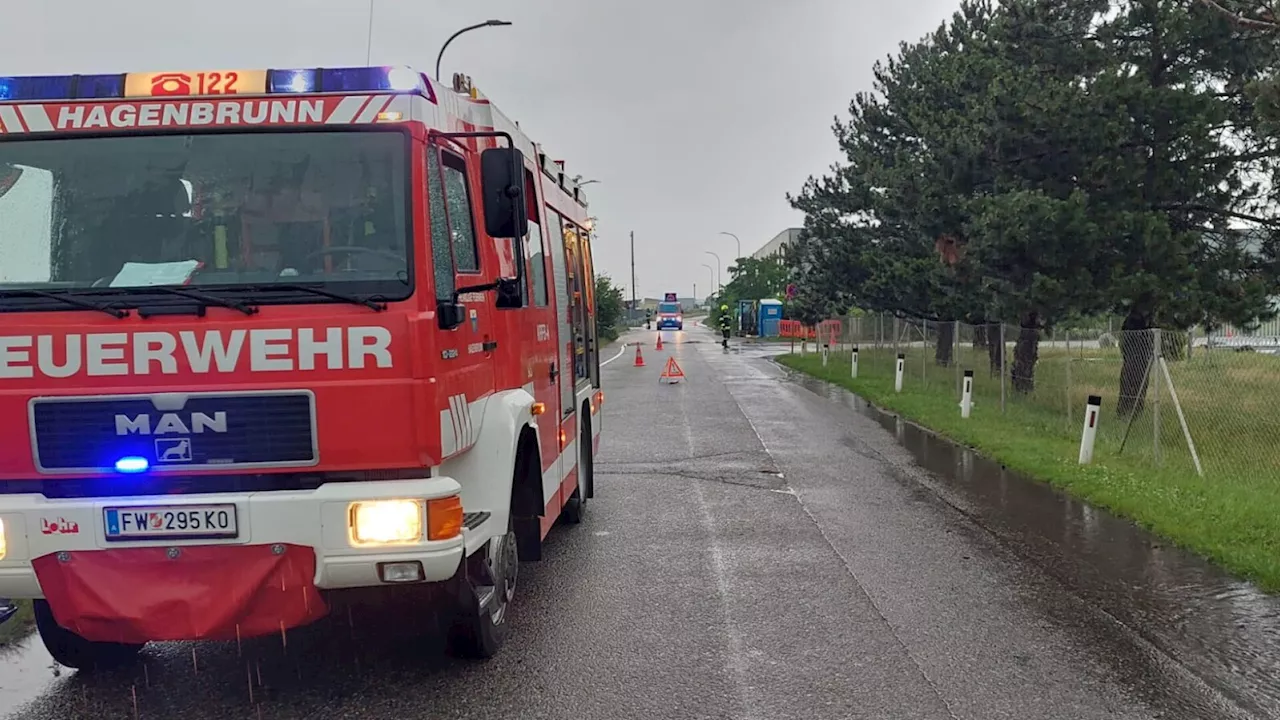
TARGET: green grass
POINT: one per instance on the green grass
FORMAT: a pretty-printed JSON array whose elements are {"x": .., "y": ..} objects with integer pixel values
[
  {"x": 19, "y": 626},
  {"x": 1231, "y": 515}
]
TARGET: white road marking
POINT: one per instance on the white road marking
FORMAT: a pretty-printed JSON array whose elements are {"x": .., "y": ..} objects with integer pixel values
[{"x": 615, "y": 357}]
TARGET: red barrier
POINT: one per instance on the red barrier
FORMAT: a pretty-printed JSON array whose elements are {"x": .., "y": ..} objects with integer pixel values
[
  {"x": 795, "y": 329},
  {"x": 790, "y": 329},
  {"x": 830, "y": 331}
]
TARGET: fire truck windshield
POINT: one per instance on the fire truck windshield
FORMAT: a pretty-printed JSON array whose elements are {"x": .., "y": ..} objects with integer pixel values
[{"x": 231, "y": 214}]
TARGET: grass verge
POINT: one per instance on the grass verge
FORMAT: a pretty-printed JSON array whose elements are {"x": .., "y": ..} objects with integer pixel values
[
  {"x": 18, "y": 627},
  {"x": 1232, "y": 520}
]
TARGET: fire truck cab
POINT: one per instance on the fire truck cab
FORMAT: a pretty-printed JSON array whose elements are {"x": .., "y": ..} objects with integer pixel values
[{"x": 273, "y": 335}]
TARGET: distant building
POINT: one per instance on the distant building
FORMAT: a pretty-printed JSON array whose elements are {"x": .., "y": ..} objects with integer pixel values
[{"x": 777, "y": 247}]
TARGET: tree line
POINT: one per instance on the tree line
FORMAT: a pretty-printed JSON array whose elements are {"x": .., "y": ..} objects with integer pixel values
[{"x": 1035, "y": 161}]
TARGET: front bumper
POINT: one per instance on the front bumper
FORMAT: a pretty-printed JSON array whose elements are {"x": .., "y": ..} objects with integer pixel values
[{"x": 317, "y": 520}]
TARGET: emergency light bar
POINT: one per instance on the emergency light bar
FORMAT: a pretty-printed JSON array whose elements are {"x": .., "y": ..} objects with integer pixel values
[{"x": 219, "y": 83}]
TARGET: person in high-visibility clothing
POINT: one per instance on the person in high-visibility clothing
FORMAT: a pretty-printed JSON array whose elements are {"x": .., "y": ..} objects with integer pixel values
[{"x": 725, "y": 325}]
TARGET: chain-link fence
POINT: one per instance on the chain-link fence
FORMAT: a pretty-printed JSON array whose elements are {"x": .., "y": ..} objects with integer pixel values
[{"x": 1172, "y": 398}]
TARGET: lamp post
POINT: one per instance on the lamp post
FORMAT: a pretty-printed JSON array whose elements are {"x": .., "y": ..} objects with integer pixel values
[
  {"x": 469, "y": 28},
  {"x": 719, "y": 287},
  {"x": 735, "y": 239},
  {"x": 713, "y": 273}
]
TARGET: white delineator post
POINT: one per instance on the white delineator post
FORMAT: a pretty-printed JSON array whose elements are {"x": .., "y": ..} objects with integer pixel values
[
  {"x": 855, "y": 362},
  {"x": 897, "y": 379},
  {"x": 966, "y": 394},
  {"x": 1090, "y": 433}
]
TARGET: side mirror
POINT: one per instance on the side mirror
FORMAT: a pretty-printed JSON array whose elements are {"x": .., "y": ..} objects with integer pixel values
[
  {"x": 450, "y": 314},
  {"x": 509, "y": 295},
  {"x": 502, "y": 181}
]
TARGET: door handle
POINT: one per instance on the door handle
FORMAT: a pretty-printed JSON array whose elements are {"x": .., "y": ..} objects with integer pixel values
[{"x": 554, "y": 373}]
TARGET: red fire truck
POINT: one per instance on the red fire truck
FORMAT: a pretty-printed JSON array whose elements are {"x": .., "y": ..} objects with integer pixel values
[{"x": 273, "y": 335}]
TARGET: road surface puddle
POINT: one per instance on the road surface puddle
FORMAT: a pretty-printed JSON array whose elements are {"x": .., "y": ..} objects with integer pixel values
[
  {"x": 26, "y": 672},
  {"x": 1222, "y": 630}
]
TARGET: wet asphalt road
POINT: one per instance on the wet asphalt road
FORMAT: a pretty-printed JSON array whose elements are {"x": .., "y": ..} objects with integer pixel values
[{"x": 754, "y": 551}]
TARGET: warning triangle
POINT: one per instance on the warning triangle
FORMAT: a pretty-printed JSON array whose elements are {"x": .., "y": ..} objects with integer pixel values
[{"x": 672, "y": 372}]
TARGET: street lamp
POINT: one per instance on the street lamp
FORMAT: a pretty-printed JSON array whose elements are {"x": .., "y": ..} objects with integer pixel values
[
  {"x": 713, "y": 274},
  {"x": 719, "y": 287},
  {"x": 735, "y": 239},
  {"x": 578, "y": 179},
  {"x": 469, "y": 28}
]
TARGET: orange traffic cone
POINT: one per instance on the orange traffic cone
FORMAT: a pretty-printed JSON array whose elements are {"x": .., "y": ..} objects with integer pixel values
[
  {"x": 639, "y": 358},
  {"x": 659, "y": 340}
]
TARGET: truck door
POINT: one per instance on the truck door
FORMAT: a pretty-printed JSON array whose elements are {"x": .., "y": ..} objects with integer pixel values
[
  {"x": 461, "y": 260},
  {"x": 559, "y": 232},
  {"x": 545, "y": 367},
  {"x": 577, "y": 291},
  {"x": 589, "y": 306}
]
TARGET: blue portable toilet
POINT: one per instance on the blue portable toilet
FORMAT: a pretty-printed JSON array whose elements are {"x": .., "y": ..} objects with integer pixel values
[{"x": 770, "y": 314}]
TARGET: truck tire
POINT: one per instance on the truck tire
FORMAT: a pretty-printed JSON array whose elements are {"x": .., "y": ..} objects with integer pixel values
[
  {"x": 75, "y": 652},
  {"x": 484, "y": 588},
  {"x": 572, "y": 511},
  {"x": 577, "y": 503},
  {"x": 587, "y": 460}
]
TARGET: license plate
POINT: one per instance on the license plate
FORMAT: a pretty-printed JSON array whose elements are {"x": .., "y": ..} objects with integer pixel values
[{"x": 171, "y": 522}]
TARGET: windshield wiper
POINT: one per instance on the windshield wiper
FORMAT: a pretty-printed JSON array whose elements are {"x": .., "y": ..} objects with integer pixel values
[
  {"x": 204, "y": 298},
  {"x": 68, "y": 299},
  {"x": 369, "y": 302}
]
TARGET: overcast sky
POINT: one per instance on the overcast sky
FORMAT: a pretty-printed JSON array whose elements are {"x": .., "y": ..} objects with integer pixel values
[{"x": 697, "y": 116}]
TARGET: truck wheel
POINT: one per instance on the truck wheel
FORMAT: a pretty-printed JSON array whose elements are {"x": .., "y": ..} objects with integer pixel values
[
  {"x": 572, "y": 511},
  {"x": 577, "y": 504},
  {"x": 587, "y": 462},
  {"x": 486, "y": 585},
  {"x": 73, "y": 651}
]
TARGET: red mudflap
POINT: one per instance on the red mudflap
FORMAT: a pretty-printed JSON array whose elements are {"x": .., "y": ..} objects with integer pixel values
[{"x": 134, "y": 595}]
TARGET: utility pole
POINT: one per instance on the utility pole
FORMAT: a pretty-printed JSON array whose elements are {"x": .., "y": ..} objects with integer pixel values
[{"x": 634, "y": 306}]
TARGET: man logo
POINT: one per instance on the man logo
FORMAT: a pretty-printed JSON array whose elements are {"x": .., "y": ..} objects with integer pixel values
[
  {"x": 173, "y": 450},
  {"x": 171, "y": 424}
]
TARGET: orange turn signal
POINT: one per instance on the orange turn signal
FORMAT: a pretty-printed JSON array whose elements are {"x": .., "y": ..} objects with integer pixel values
[
  {"x": 444, "y": 518},
  {"x": 538, "y": 408}
]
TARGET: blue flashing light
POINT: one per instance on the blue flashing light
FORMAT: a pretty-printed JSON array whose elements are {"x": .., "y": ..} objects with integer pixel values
[
  {"x": 61, "y": 87},
  {"x": 132, "y": 464},
  {"x": 386, "y": 79},
  {"x": 404, "y": 79},
  {"x": 100, "y": 86},
  {"x": 292, "y": 81},
  {"x": 46, "y": 87},
  {"x": 372, "y": 79}
]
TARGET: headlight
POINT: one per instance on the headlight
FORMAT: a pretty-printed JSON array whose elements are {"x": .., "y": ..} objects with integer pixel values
[{"x": 385, "y": 522}]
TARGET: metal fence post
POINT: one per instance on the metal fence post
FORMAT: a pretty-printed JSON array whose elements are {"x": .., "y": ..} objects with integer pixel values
[
  {"x": 924, "y": 353},
  {"x": 1156, "y": 354},
  {"x": 1068, "y": 359},
  {"x": 955, "y": 354},
  {"x": 1003, "y": 366}
]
